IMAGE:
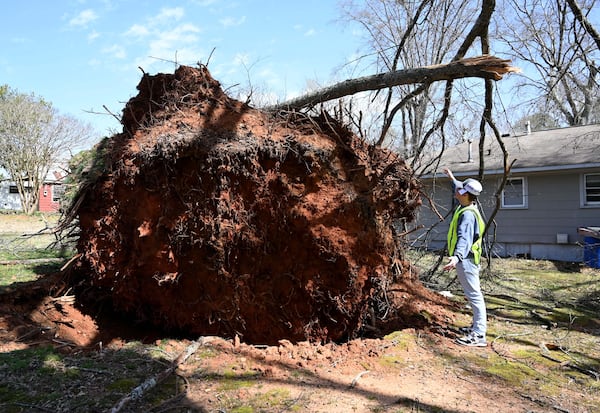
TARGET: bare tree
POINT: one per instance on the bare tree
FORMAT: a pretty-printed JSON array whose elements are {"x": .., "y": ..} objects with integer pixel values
[
  {"x": 458, "y": 41},
  {"x": 403, "y": 34},
  {"x": 550, "y": 43},
  {"x": 33, "y": 139}
]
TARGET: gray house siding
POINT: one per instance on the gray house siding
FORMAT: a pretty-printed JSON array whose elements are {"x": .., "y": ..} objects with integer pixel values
[
  {"x": 549, "y": 234},
  {"x": 8, "y": 200},
  {"x": 547, "y": 226},
  {"x": 556, "y": 198}
]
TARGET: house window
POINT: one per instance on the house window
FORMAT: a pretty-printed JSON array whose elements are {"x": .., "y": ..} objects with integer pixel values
[
  {"x": 12, "y": 189},
  {"x": 591, "y": 187},
  {"x": 514, "y": 194},
  {"x": 57, "y": 192}
]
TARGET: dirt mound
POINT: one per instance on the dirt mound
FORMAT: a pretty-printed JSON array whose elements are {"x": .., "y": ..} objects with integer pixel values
[{"x": 210, "y": 217}]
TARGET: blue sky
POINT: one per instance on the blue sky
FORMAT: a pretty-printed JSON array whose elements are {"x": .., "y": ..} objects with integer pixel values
[{"x": 83, "y": 55}]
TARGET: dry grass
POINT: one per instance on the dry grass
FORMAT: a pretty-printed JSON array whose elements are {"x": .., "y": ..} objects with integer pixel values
[
  {"x": 24, "y": 241},
  {"x": 13, "y": 223}
]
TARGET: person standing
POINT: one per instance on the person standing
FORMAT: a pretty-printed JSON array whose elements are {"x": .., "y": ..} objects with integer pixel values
[{"x": 465, "y": 249}]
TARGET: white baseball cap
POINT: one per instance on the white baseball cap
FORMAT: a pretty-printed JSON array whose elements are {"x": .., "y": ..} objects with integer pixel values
[{"x": 469, "y": 185}]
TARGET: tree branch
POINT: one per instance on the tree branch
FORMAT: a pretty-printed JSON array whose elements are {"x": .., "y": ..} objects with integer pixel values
[
  {"x": 486, "y": 67},
  {"x": 584, "y": 21},
  {"x": 479, "y": 29}
]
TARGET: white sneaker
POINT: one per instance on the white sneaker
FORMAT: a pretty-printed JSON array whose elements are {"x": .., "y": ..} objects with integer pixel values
[{"x": 472, "y": 340}]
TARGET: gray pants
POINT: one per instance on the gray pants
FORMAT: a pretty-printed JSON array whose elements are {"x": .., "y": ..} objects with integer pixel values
[{"x": 468, "y": 275}]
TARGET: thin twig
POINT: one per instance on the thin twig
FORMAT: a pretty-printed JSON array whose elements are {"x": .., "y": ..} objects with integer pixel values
[
  {"x": 112, "y": 114},
  {"x": 31, "y": 406}
]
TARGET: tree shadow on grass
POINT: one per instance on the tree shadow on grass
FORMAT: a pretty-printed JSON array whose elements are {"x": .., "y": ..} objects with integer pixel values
[{"x": 568, "y": 267}]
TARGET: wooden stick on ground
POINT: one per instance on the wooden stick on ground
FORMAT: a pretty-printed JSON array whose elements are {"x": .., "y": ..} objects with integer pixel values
[{"x": 138, "y": 392}]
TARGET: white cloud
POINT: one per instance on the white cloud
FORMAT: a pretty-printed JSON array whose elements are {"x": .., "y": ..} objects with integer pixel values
[
  {"x": 184, "y": 34},
  {"x": 83, "y": 18},
  {"x": 269, "y": 76},
  {"x": 305, "y": 32},
  {"x": 231, "y": 21},
  {"x": 168, "y": 15},
  {"x": 93, "y": 36},
  {"x": 137, "y": 30},
  {"x": 178, "y": 44},
  {"x": 115, "y": 51},
  {"x": 165, "y": 38},
  {"x": 205, "y": 3}
]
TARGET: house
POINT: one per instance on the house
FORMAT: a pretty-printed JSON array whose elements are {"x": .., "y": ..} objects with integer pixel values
[
  {"x": 553, "y": 190},
  {"x": 9, "y": 196},
  {"x": 50, "y": 193}
]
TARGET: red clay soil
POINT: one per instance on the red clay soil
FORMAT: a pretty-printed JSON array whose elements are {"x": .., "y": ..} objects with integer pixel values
[{"x": 209, "y": 217}]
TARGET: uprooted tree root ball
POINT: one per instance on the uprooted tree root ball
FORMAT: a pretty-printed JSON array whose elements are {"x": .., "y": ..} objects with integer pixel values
[{"x": 210, "y": 217}]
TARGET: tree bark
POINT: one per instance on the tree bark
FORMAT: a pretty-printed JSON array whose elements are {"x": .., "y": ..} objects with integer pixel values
[{"x": 486, "y": 67}]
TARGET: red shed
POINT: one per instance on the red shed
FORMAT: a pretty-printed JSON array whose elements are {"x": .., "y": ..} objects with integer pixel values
[{"x": 51, "y": 193}]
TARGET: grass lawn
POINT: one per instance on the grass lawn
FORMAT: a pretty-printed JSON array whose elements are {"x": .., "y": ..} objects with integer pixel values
[{"x": 28, "y": 247}]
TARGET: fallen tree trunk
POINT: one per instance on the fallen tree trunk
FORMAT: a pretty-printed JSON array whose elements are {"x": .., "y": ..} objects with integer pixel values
[{"x": 486, "y": 67}]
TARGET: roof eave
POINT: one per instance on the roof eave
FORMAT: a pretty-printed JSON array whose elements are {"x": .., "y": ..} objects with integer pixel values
[{"x": 514, "y": 171}]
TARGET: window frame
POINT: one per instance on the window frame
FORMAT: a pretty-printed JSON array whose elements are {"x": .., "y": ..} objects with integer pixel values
[
  {"x": 57, "y": 194},
  {"x": 584, "y": 192},
  {"x": 524, "y": 198},
  {"x": 13, "y": 189}
]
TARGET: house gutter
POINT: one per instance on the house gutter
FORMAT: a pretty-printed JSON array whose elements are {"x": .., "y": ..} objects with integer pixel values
[{"x": 518, "y": 170}]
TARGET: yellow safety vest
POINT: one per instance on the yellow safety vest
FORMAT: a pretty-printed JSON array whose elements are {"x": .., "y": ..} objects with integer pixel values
[{"x": 453, "y": 235}]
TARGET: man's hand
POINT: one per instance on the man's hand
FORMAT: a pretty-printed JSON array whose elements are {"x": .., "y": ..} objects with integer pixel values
[
  {"x": 451, "y": 263},
  {"x": 450, "y": 175}
]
